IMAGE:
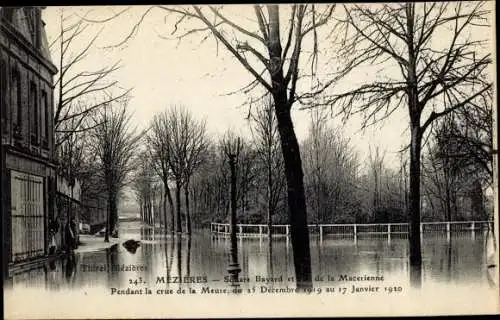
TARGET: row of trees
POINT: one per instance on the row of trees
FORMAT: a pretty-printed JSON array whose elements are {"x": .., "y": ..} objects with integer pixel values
[
  {"x": 94, "y": 140},
  {"x": 430, "y": 59},
  {"x": 340, "y": 187}
]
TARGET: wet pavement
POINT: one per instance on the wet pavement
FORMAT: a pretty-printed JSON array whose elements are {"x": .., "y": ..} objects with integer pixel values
[{"x": 165, "y": 264}]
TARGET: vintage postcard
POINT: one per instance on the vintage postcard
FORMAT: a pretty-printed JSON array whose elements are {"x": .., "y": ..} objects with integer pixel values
[{"x": 256, "y": 160}]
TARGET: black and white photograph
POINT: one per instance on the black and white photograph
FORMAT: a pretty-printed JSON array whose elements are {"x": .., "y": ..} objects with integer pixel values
[{"x": 249, "y": 160}]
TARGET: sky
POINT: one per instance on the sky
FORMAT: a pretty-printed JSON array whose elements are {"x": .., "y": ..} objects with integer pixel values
[{"x": 162, "y": 72}]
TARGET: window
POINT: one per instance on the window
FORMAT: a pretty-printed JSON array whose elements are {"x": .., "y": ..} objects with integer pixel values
[
  {"x": 34, "y": 125},
  {"x": 16, "y": 103},
  {"x": 45, "y": 119},
  {"x": 3, "y": 89}
]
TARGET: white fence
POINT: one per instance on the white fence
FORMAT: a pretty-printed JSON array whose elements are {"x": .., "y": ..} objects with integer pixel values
[{"x": 249, "y": 230}]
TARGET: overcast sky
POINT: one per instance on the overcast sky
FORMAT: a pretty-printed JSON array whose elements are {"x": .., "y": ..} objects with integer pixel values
[{"x": 164, "y": 72}]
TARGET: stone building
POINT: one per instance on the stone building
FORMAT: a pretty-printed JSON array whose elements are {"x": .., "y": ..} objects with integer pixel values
[{"x": 27, "y": 135}]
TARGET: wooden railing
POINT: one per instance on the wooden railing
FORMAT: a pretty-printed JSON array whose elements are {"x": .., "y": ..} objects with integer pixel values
[{"x": 352, "y": 229}]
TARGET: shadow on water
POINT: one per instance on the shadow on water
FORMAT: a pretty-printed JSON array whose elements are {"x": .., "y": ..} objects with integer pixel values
[
  {"x": 170, "y": 257},
  {"x": 188, "y": 257},
  {"x": 416, "y": 276},
  {"x": 178, "y": 241},
  {"x": 270, "y": 270},
  {"x": 111, "y": 263},
  {"x": 70, "y": 268},
  {"x": 234, "y": 266}
]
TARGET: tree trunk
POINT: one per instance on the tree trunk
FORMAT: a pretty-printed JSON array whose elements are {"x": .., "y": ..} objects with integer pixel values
[
  {"x": 165, "y": 199},
  {"x": 141, "y": 210},
  {"x": 113, "y": 213},
  {"x": 415, "y": 250},
  {"x": 299, "y": 232},
  {"x": 178, "y": 206},
  {"x": 108, "y": 215},
  {"x": 232, "y": 221},
  {"x": 448, "y": 201},
  {"x": 171, "y": 205},
  {"x": 269, "y": 197},
  {"x": 188, "y": 216}
]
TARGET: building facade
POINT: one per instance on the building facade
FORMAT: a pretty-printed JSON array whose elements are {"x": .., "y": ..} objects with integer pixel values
[{"x": 27, "y": 145}]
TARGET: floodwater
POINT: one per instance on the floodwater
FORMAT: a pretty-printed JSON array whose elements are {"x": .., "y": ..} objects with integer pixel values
[{"x": 202, "y": 264}]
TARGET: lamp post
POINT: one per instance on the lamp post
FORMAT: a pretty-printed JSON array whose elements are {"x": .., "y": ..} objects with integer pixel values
[{"x": 232, "y": 152}]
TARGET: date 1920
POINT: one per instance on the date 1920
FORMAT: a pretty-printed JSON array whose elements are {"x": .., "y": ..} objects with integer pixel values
[{"x": 394, "y": 289}]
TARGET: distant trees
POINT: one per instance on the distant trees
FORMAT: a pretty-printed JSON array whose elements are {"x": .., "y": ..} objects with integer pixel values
[
  {"x": 331, "y": 173},
  {"x": 266, "y": 140},
  {"x": 458, "y": 163},
  {"x": 143, "y": 184}
]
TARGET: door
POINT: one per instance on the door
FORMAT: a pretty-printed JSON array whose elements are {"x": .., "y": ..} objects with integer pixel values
[{"x": 28, "y": 216}]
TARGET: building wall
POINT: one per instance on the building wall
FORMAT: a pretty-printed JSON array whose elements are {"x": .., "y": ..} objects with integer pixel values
[{"x": 27, "y": 133}]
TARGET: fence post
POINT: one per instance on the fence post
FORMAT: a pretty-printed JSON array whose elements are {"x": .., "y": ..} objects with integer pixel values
[
  {"x": 355, "y": 232},
  {"x": 287, "y": 229},
  {"x": 241, "y": 229},
  {"x": 260, "y": 230},
  {"x": 320, "y": 233},
  {"x": 421, "y": 227},
  {"x": 389, "y": 229}
]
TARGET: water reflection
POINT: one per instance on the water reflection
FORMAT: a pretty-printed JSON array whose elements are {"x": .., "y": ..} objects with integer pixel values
[
  {"x": 188, "y": 258},
  {"x": 111, "y": 263},
  {"x": 459, "y": 261},
  {"x": 234, "y": 267},
  {"x": 416, "y": 276},
  {"x": 70, "y": 268}
]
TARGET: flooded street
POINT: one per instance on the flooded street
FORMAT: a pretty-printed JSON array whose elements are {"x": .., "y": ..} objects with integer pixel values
[
  {"x": 169, "y": 275},
  {"x": 174, "y": 262}
]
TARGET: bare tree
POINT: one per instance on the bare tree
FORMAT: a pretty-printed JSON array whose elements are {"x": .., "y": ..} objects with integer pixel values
[
  {"x": 194, "y": 151},
  {"x": 266, "y": 139},
  {"x": 433, "y": 62},
  {"x": 113, "y": 144},
  {"x": 331, "y": 172},
  {"x": 159, "y": 145},
  {"x": 186, "y": 146},
  {"x": 78, "y": 92}
]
